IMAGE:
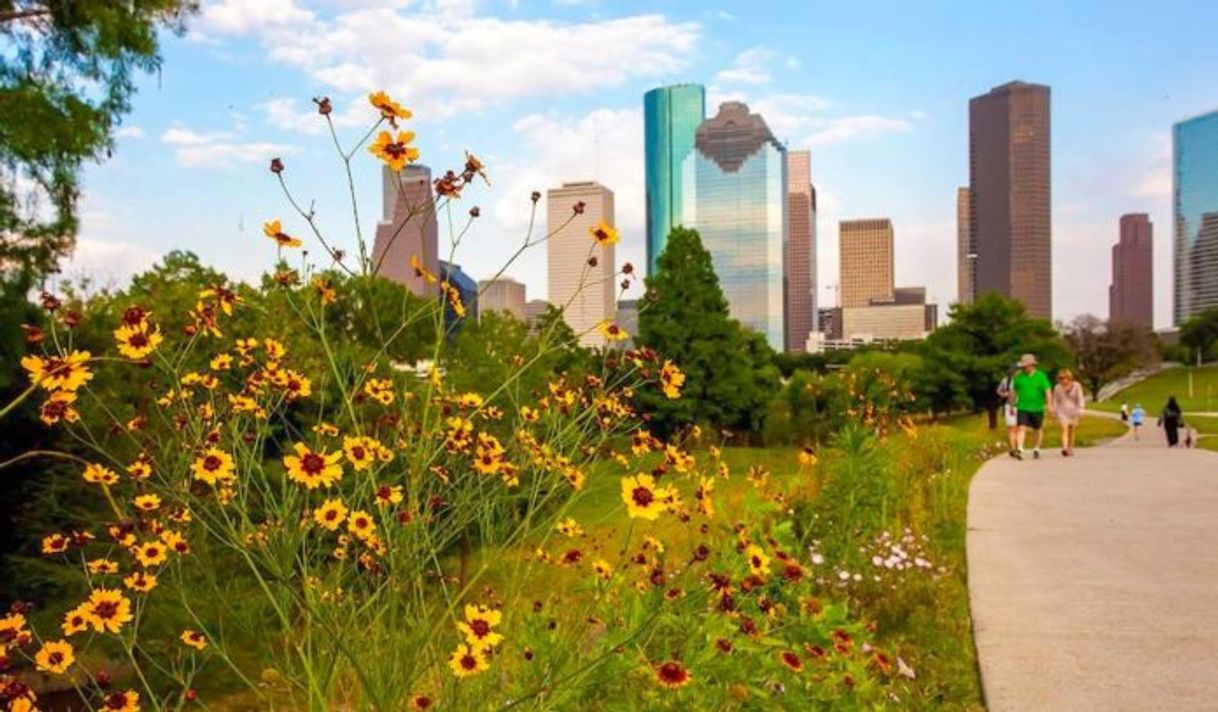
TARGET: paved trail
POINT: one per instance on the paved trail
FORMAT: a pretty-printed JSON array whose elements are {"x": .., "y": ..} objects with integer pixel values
[{"x": 1094, "y": 580}]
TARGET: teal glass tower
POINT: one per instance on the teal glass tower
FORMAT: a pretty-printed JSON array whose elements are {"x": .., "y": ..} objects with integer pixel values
[
  {"x": 671, "y": 116},
  {"x": 734, "y": 193},
  {"x": 1195, "y": 197}
]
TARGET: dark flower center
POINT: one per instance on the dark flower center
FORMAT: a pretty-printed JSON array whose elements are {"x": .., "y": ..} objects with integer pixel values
[
  {"x": 55, "y": 658},
  {"x": 480, "y": 627},
  {"x": 312, "y": 463},
  {"x": 642, "y": 496},
  {"x": 469, "y": 662},
  {"x": 105, "y": 609},
  {"x": 211, "y": 463}
]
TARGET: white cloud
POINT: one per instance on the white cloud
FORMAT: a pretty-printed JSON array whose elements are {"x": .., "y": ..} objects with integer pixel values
[
  {"x": 849, "y": 128},
  {"x": 444, "y": 63},
  {"x": 748, "y": 68},
  {"x": 106, "y": 263},
  {"x": 129, "y": 132},
  {"x": 244, "y": 16},
  {"x": 1156, "y": 180},
  {"x": 219, "y": 148}
]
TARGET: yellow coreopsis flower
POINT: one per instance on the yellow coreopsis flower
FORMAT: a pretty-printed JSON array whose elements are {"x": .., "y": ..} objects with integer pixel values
[
  {"x": 395, "y": 152},
  {"x": 55, "y": 656},
  {"x": 137, "y": 341},
  {"x": 331, "y": 514},
  {"x": 467, "y": 660},
  {"x": 389, "y": 108},
  {"x": 194, "y": 639},
  {"x": 643, "y": 499},
  {"x": 612, "y": 332},
  {"x": 604, "y": 233},
  {"x": 313, "y": 469},
  {"x": 479, "y": 627},
  {"x": 759, "y": 563},
  {"x": 214, "y": 467},
  {"x": 274, "y": 230},
  {"x": 107, "y": 610},
  {"x": 55, "y": 373}
]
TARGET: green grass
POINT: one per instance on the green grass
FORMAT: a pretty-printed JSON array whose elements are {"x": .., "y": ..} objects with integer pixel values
[{"x": 1153, "y": 392}]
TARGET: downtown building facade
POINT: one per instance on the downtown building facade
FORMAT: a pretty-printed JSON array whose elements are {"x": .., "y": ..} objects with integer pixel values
[
  {"x": 502, "y": 294},
  {"x": 1008, "y": 206},
  {"x": 580, "y": 272},
  {"x": 1195, "y": 213},
  {"x": 407, "y": 229},
  {"x": 800, "y": 287},
  {"x": 735, "y": 194},
  {"x": 1131, "y": 294},
  {"x": 671, "y": 117},
  {"x": 966, "y": 250}
]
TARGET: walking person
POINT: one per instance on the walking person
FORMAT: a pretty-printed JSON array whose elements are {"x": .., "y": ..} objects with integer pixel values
[
  {"x": 1124, "y": 412},
  {"x": 1068, "y": 402},
  {"x": 1137, "y": 417},
  {"x": 1009, "y": 417},
  {"x": 1172, "y": 419},
  {"x": 1032, "y": 389}
]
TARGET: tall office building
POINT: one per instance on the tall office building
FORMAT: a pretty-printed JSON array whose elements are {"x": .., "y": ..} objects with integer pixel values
[
  {"x": 866, "y": 262},
  {"x": 966, "y": 251},
  {"x": 408, "y": 229},
  {"x": 734, "y": 192},
  {"x": 1195, "y": 208},
  {"x": 801, "y": 251},
  {"x": 584, "y": 291},
  {"x": 1009, "y": 181},
  {"x": 1131, "y": 294},
  {"x": 502, "y": 294},
  {"x": 671, "y": 116}
]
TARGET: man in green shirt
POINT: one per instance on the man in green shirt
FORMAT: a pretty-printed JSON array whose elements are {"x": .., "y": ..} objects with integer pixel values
[{"x": 1030, "y": 389}]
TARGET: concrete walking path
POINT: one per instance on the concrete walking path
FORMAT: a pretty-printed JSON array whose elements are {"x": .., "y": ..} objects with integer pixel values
[{"x": 1093, "y": 580}]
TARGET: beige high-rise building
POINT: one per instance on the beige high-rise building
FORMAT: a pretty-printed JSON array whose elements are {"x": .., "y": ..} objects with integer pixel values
[
  {"x": 408, "y": 229},
  {"x": 966, "y": 251},
  {"x": 801, "y": 250},
  {"x": 501, "y": 294},
  {"x": 583, "y": 290},
  {"x": 866, "y": 262}
]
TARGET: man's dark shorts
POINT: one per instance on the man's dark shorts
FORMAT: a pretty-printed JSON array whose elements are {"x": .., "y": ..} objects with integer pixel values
[{"x": 1030, "y": 418}]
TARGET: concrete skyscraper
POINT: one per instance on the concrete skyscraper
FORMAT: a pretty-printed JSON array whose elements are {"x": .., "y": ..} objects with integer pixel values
[
  {"x": 801, "y": 252},
  {"x": 502, "y": 294},
  {"x": 584, "y": 291},
  {"x": 866, "y": 262},
  {"x": 1131, "y": 294},
  {"x": 1010, "y": 221},
  {"x": 671, "y": 116},
  {"x": 966, "y": 251},
  {"x": 734, "y": 192},
  {"x": 1195, "y": 210},
  {"x": 407, "y": 229}
]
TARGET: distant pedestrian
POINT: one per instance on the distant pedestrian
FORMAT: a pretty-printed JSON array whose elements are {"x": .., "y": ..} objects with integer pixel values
[
  {"x": 1032, "y": 388},
  {"x": 1172, "y": 419},
  {"x": 1124, "y": 412},
  {"x": 1068, "y": 402},
  {"x": 1137, "y": 417},
  {"x": 1009, "y": 417}
]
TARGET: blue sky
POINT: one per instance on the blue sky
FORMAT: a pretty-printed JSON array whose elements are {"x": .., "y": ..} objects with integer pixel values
[{"x": 551, "y": 90}]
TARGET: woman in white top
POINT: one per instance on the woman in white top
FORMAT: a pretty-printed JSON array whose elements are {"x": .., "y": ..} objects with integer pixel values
[
  {"x": 1008, "y": 411},
  {"x": 1068, "y": 404}
]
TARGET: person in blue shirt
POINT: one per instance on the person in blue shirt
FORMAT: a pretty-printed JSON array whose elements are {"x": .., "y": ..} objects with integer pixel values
[{"x": 1137, "y": 417}]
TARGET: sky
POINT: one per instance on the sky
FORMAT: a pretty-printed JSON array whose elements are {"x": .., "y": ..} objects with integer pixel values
[{"x": 546, "y": 91}]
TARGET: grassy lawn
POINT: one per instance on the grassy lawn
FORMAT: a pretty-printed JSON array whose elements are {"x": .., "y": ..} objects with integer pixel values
[{"x": 1153, "y": 392}]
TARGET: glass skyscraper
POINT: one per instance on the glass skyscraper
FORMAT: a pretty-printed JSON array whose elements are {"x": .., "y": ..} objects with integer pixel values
[
  {"x": 1195, "y": 196},
  {"x": 734, "y": 192},
  {"x": 671, "y": 116}
]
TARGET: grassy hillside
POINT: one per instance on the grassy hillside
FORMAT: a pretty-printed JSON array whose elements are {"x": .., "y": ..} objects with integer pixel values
[{"x": 1154, "y": 391}]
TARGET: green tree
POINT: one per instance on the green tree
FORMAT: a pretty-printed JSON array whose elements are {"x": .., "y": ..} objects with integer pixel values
[
  {"x": 984, "y": 340},
  {"x": 730, "y": 376},
  {"x": 1199, "y": 334},
  {"x": 66, "y": 78},
  {"x": 1105, "y": 351}
]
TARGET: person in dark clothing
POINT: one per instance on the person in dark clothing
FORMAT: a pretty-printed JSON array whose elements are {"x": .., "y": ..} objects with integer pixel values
[{"x": 1172, "y": 419}]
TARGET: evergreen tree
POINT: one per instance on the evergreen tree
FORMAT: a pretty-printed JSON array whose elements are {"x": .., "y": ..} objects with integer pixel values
[{"x": 729, "y": 374}]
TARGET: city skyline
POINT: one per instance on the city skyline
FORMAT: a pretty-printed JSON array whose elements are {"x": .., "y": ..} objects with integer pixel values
[
  {"x": 1195, "y": 213},
  {"x": 887, "y": 135}
]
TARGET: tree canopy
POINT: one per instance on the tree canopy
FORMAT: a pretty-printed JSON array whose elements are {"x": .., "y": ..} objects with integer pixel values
[
  {"x": 730, "y": 373},
  {"x": 1107, "y": 351},
  {"x": 984, "y": 340},
  {"x": 66, "y": 79}
]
